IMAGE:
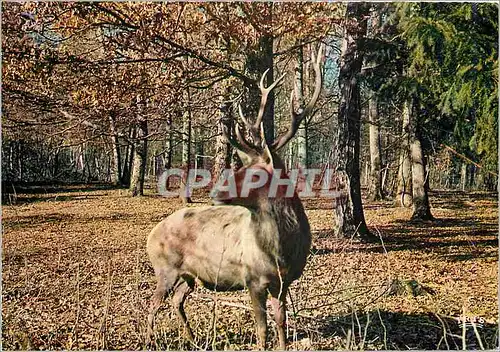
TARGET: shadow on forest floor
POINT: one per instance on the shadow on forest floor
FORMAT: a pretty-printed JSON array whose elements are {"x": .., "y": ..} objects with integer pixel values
[
  {"x": 27, "y": 221},
  {"x": 22, "y": 193},
  {"x": 467, "y": 236},
  {"x": 452, "y": 238},
  {"x": 390, "y": 330},
  {"x": 30, "y": 193}
]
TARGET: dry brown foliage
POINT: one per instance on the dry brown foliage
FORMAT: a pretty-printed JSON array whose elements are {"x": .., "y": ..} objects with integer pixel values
[{"x": 76, "y": 276}]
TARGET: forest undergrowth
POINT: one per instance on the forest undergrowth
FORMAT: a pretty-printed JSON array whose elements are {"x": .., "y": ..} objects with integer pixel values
[{"x": 76, "y": 276}]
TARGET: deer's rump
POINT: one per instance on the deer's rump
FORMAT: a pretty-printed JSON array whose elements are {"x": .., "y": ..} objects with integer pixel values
[{"x": 222, "y": 247}]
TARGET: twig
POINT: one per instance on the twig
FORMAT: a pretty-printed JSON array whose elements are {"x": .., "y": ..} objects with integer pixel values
[
  {"x": 464, "y": 328},
  {"x": 365, "y": 331},
  {"x": 221, "y": 302},
  {"x": 138, "y": 312},
  {"x": 385, "y": 330},
  {"x": 75, "y": 329},
  {"x": 477, "y": 335},
  {"x": 467, "y": 159},
  {"x": 444, "y": 332},
  {"x": 214, "y": 326},
  {"x": 353, "y": 335},
  {"x": 359, "y": 324},
  {"x": 102, "y": 327}
]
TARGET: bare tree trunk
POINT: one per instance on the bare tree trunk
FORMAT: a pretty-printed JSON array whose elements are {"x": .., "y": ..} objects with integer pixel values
[
  {"x": 291, "y": 154},
  {"x": 375, "y": 190},
  {"x": 404, "y": 192},
  {"x": 350, "y": 218},
  {"x": 384, "y": 177},
  {"x": 55, "y": 170},
  {"x": 375, "y": 184},
  {"x": 463, "y": 176},
  {"x": 186, "y": 145},
  {"x": 129, "y": 157},
  {"x": 140, "y": 155},
  {"x": 169, "y": 150},
  {"x": 20, "y": 162},
  {"x": 256, "y": 63},
  {"x": 87, "y": 163},
  {"x": 115, "y": 170},
  {"x": 301, "y": 137},
  {"x": 222, "y": 158},
  {"x": 472, "y": 172},
  {"x": 420, "y": 179},
  {"x": 82, "y": 160},
  {"x": 200, "y": 147}
]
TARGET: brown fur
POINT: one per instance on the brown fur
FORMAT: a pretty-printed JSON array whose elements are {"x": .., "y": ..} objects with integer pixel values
[
  {"x": 261, "y": 245},
  {"x": 256, "y": 242}
]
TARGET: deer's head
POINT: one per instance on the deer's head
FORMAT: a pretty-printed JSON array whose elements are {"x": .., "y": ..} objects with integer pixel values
[{"x": 253, "y": 183}]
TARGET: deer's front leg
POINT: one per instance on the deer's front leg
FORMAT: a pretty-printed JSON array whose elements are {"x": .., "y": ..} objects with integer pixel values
[
  {"x": 259, "y": 296},
  {"x": 166, "y": 280},
  {"x": 279, "y": 307}
]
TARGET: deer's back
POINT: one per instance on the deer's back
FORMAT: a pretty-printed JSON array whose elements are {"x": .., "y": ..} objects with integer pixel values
[
  {"x": 224, "y": 247},
  {"x": 217, "y": 245}
]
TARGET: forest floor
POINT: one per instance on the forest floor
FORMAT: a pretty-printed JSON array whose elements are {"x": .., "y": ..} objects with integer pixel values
[{"x": 76, "y": 276}]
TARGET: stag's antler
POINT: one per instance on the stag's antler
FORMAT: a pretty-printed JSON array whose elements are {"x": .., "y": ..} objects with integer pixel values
[
  {"x": 254, "y": 128},
  {"x": 298, "y": 117},
  {"x": 241, "y": 144}
]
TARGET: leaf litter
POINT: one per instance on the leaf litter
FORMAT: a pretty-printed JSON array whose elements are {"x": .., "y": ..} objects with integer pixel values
[{"x": 76, "y": 276}]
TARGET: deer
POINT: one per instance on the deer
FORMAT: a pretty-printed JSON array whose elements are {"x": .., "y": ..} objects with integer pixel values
[{"x": 253, "y": 241}]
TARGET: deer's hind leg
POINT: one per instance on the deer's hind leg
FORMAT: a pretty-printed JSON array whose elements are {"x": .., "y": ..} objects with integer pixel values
[
  {"x": 166, "y": 281},
  {"x": 181, "y": 291}
]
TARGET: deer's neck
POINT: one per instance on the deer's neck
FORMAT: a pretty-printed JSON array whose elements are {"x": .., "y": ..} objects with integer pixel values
[
  {"x": 284, "y": 233},
  {"x": 280, "y": 218}
]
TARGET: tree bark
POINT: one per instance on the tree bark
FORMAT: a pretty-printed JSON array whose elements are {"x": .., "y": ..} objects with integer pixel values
[
  {"x": 186, "y": 146},
  {"x": 169, "y": 144},
  {"x": 463, "y": 176},
  {"x": 301, "y": 138},
  {"x": 375, "y": 184},
  {"x": 200, "y": 147},
  {"x": 115, "y": 170},
  {"x": 256, "y": 63},
  {"x": 140, "y": 154},
  {"x": 404, "y": 192},
  {"x": 420, "y": 181},
  {"x": 350, "y": 219},
  {"x": 129, "y": 158},
  {"x": 375, "y": 190},
  {"x": 222, "y": 158}
]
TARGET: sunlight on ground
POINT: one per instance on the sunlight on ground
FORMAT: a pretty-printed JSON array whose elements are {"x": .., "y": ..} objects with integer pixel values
[{"x": 76, "y": 276}]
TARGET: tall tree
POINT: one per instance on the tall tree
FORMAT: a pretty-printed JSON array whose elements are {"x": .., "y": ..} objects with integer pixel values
[
  {"x": 116, "y": 167},
  {"x": 140, "y": 150},
  {"x": 301, "y": 138},
  {"x": 350, "y": 219},
  {"x": 420, "y": 179},
  {"x": 375, "y": 191},
  {"x": 404, "y": 194}
]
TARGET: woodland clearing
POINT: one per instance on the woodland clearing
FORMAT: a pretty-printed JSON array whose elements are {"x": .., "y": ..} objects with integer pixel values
[{"x": 76, "y": 276}]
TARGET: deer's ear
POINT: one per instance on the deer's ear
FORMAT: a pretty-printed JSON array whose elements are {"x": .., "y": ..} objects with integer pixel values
[{"x": 245, "y": 158}]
